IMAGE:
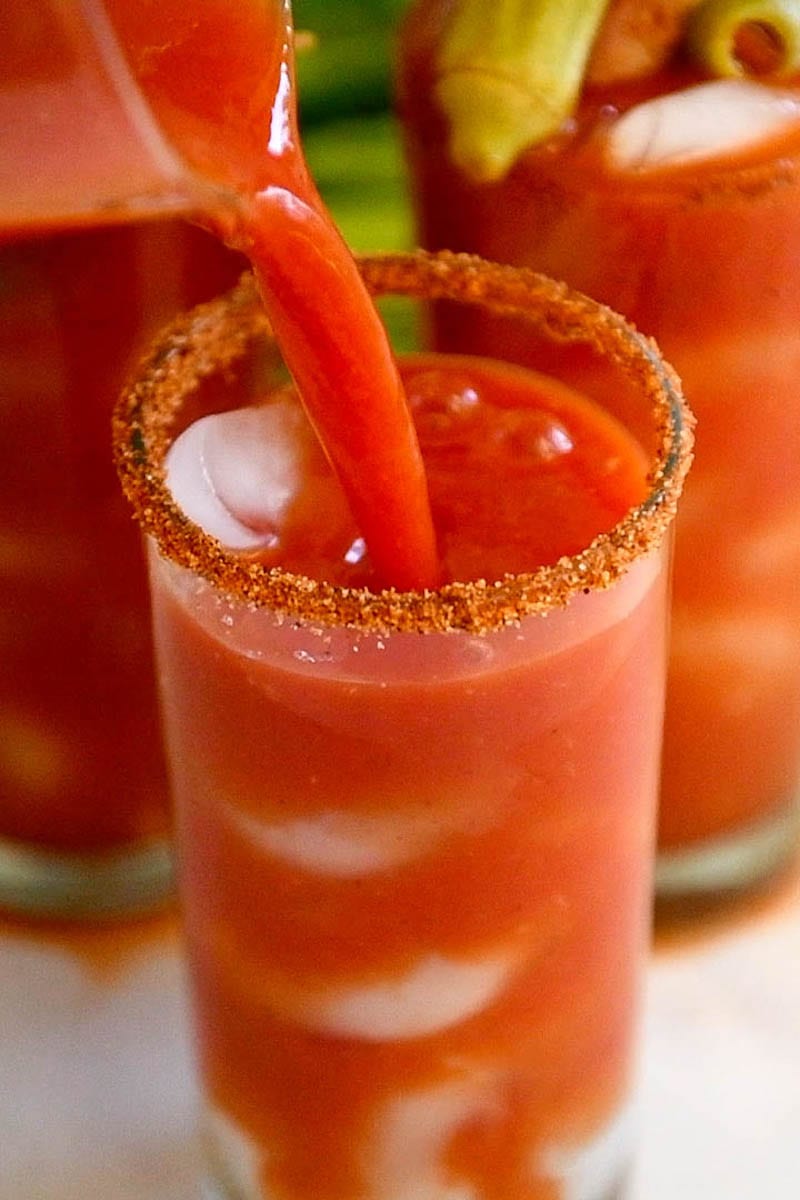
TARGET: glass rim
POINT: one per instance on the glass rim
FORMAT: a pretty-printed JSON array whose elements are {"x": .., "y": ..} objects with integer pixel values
[{"x": 213, "y": 337}]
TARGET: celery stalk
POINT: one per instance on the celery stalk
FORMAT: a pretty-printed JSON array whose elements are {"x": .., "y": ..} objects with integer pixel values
[
  {"x": 715, "y": 24},
  {"x": 509, "y": 73}
]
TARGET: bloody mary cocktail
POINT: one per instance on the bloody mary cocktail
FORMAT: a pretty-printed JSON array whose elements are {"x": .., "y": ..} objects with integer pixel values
[
  {"x": 676, "y": 200},
  {"x": 414, "y": 828}
]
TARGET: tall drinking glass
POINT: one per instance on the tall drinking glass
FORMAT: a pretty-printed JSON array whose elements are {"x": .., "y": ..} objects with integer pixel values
[
  {"x": 675, "y": 199},
  {"x": 414, "y": 829}
]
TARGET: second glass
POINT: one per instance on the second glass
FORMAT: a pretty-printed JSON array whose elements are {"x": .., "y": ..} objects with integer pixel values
[{"x": 701, "y": 252}]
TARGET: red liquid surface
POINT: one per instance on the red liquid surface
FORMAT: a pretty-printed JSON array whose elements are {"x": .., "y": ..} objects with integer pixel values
[
  {"x": 359, "y": 813},
  {"x": 704, "y": 258},
  {"x": 520, "y": 469}
]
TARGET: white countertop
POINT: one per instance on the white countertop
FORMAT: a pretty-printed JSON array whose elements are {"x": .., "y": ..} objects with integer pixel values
[{"x": 97, "y": 1098}]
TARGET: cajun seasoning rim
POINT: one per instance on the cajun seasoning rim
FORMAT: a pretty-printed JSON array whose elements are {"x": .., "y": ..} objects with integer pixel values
[{"x": 213, "y": 337}]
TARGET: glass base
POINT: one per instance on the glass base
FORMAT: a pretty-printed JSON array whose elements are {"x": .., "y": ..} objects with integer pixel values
[
  {"x": 211, "y": 1189},
  {"x": 233, "y": 1167},
  {"x": 732, "y": 864},
  {"x": 38, "y": 882}
]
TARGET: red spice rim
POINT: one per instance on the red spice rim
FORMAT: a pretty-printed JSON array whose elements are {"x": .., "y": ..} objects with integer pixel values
[{"x": 214, "y": 336}]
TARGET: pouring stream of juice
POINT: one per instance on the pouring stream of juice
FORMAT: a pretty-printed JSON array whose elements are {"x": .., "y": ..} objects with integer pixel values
[{"x": 222, "y": 92}]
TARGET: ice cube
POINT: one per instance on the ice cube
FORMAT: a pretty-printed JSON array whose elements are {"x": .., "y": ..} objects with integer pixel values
[
  {"x": 236, "y": 473},
  {"x": 435, "y": 993},
  {"x": 592, "y": 1168},
  {"x": 410, "y": 1142},
  {"x": 707, "y": 121},
  {"x": 346, "y": 845}
]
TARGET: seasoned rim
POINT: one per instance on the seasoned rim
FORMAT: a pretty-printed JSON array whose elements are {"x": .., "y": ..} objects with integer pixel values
[{"x": 214, "y": 336}]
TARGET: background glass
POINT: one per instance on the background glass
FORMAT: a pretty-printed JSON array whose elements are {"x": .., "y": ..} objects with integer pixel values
[{"x": 704, "y": 259}]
